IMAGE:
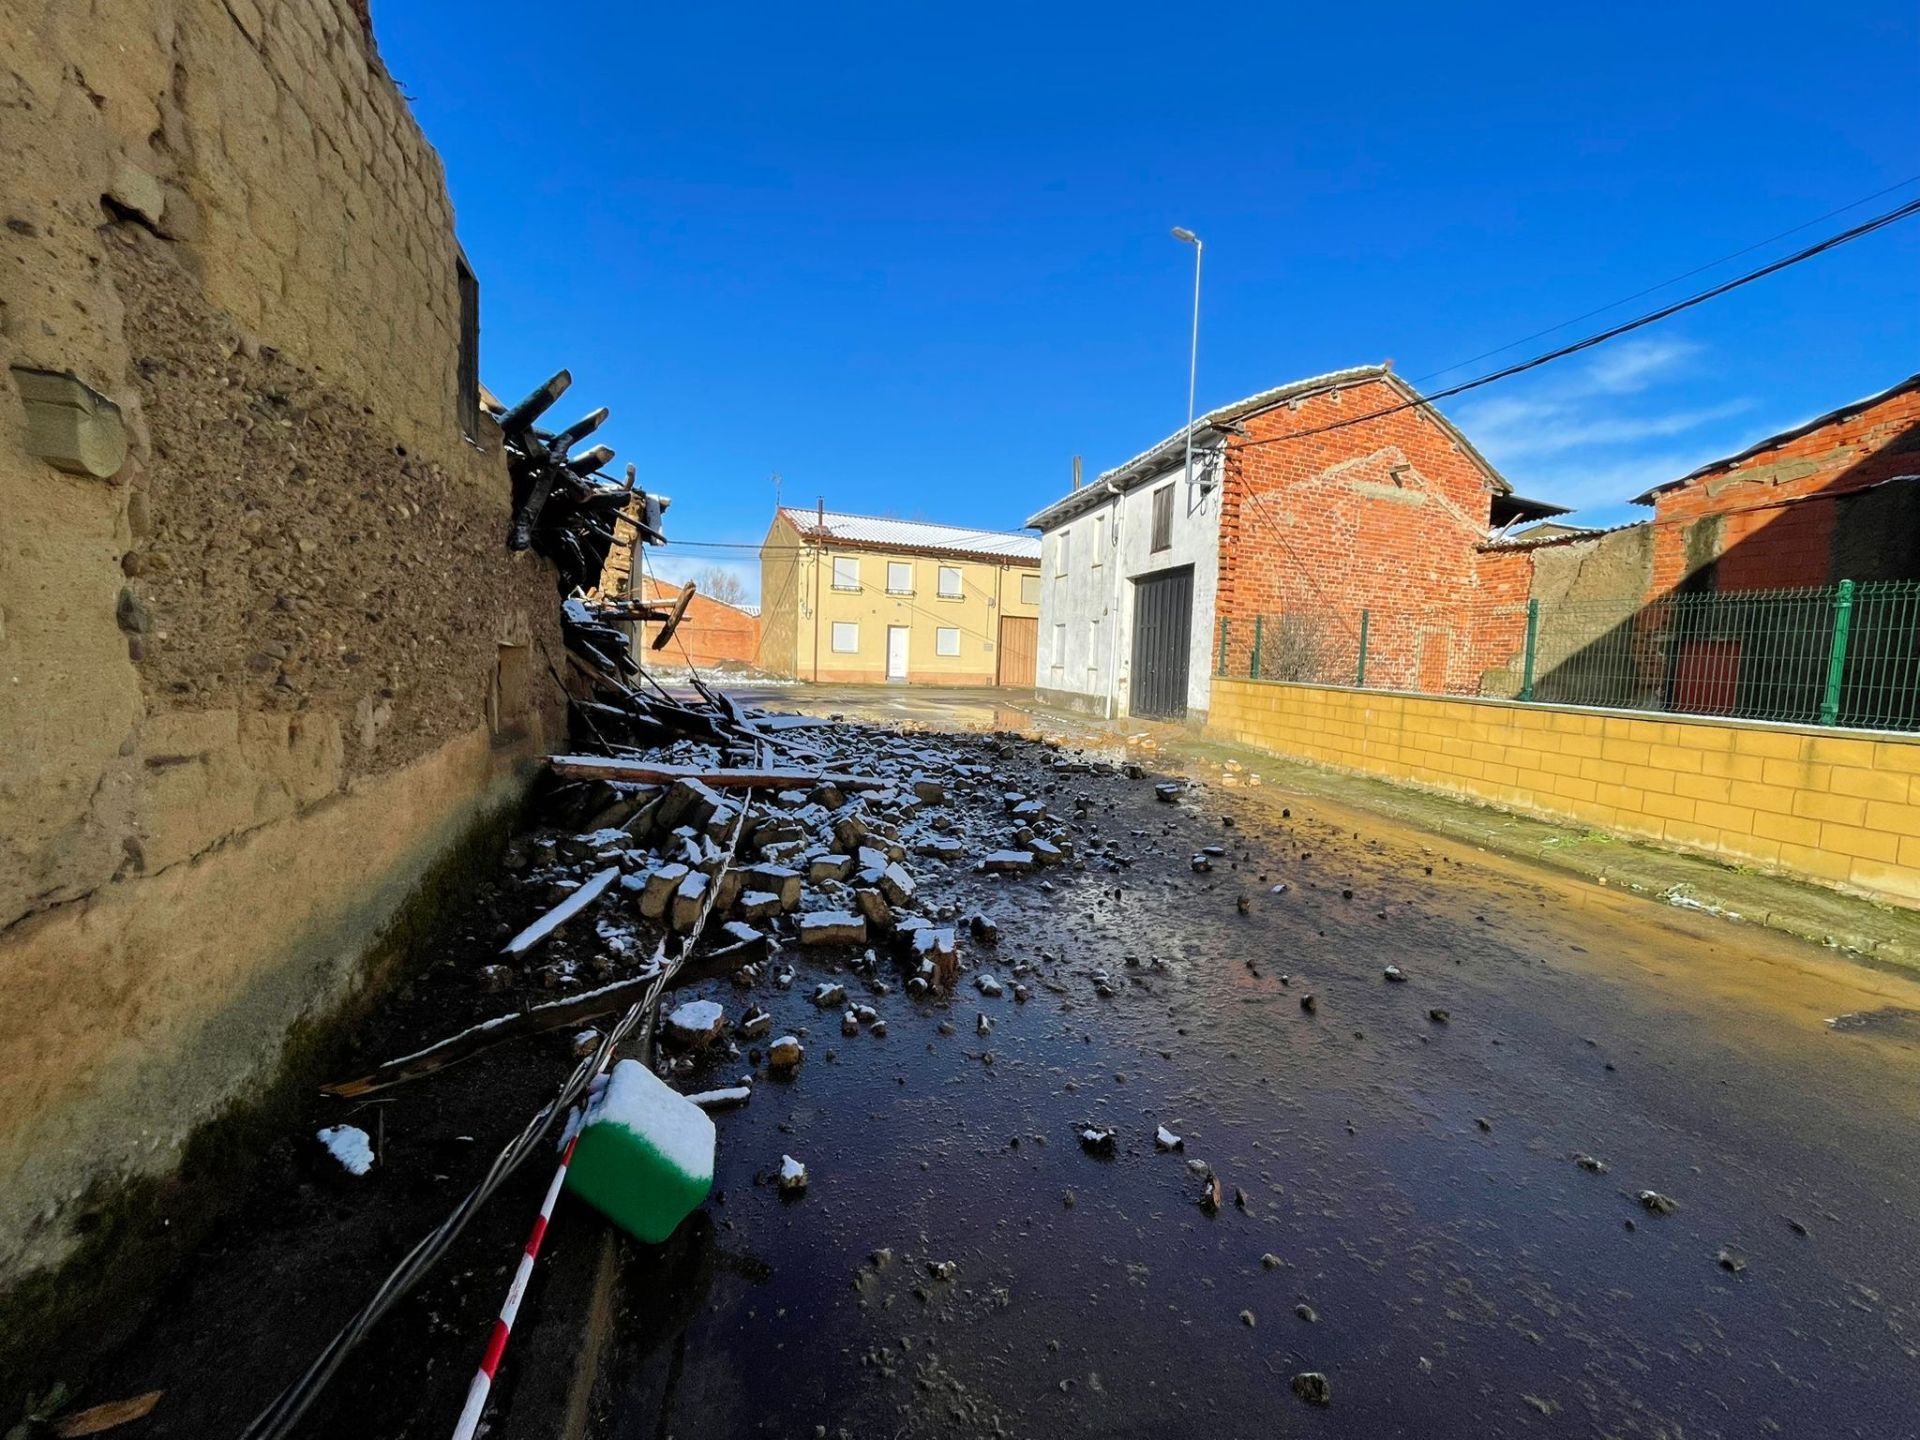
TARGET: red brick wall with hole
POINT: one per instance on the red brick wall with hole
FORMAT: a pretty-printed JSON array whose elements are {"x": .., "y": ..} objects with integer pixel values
[{"x": 1386, "y": 515}]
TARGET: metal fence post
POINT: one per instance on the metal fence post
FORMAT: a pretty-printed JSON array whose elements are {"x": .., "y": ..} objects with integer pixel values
[
  {"x": 1253, "y": 669},
  {"x": 1221, "y": 669},
  {"x": 1837, "y": 656},
  {"x": 1533, "y": 635},
  {"x": 1360, "y": 671}
]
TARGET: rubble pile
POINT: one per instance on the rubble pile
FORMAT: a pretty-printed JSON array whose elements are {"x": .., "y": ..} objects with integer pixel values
[
  {"x": 845, "y": 853},
  {"x": 560, "y": 510},
  {"x": 564, "y": 511}
]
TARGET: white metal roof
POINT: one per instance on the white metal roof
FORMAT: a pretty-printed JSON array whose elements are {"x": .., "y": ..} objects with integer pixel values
[{"x": 836, "y": 525}]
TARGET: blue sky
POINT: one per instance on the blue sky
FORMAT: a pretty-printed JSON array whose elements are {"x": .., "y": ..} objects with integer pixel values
[{"x": 915, "y": 258}]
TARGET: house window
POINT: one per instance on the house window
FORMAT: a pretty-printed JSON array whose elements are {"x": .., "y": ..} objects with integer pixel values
[
  {"x": 1093, "y": 646},
  {"x": 1163, "y": 519},
  {"x": 468, "y": 376},
  {"x": 899, "y": 577},
  {"x": 846, "y": 637},
  {"x": 1099, "y": 540},
  {"x": 846, "y": 572},
  {"x": 1029, "y": 589},
  {"x": 1062, "y": 551},
  {"x": 946, "y": 640},
  {"x": 949, "y": 582},
  {"x": 1059, "y": 646}
]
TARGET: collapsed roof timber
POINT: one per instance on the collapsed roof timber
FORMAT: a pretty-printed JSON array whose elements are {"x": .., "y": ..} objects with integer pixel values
[{"x": 559, "y": 509}]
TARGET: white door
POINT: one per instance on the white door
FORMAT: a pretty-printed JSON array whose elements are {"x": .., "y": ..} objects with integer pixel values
[{"x": 896, "y": 652}]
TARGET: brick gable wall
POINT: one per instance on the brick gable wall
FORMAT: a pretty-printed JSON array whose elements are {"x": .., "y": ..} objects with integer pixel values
[{"x": 1384, "y": 516}]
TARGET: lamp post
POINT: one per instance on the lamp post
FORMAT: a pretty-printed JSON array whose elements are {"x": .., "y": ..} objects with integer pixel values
[{"x": 1193, "y": 358}]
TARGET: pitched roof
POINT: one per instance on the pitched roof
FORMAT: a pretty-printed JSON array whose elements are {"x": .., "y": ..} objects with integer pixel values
[
  {"x": 1155, "y": 458},
  {"x": 1806, "y": 427},
  {"x": 885, "y": 532}
]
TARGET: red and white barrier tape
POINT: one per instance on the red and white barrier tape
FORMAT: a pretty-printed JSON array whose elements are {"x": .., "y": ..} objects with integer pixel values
[{"x": 477, "y": 1393}]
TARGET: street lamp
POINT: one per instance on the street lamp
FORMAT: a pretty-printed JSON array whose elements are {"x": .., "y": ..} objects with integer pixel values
[{"x": 1193, "y": 358}]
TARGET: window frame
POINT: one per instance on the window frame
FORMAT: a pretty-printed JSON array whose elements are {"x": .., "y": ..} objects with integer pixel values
[
  {"x": 1037, "y": 579},
  {"x": 940, "y": 632},
  {"x": 906, "y": 565},
  {"x": 467, "y": 370},
  {"x": 834, "y": 646},
  {"x": 1099, "y": 541},
  {"x": 959, "y": 591},
  {"x": 1062, "y": 552},
  {"x": 854, "y": 561},
  {"x": 1162, "y": 534}
]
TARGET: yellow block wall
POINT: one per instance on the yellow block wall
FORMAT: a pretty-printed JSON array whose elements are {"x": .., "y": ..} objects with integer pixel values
[{"x": 1836, "y": 807}]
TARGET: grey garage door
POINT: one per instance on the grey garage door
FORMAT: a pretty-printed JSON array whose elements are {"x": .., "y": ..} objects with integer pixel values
[{"x": 1162, "y": 643}]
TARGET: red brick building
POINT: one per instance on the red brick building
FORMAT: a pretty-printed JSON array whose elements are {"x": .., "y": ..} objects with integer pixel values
[
  {"x": 1628, "y": 616},
  {"x": 1837, "y": 498},
  {"x": 712, "y": 633},
  {"x": 1356, "y": 496}
]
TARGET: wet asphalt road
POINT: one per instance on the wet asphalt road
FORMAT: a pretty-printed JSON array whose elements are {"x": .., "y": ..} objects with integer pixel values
[{"x": 1414, "y": 1180}]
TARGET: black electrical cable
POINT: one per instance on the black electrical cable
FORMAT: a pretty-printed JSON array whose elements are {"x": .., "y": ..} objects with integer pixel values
[
  {"x": 1663, "y": 284},
  {"x": 286, "y": 1410},
  {"x": 1902, "y": 212}
]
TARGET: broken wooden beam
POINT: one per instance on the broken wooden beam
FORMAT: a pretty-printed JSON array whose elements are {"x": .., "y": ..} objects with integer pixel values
[
  {"x": 603, "y": 767},
  {"x": 540, "y": 929},
  {"x": 554, "y": 1015},
  {"x": 675, "y": 616}
]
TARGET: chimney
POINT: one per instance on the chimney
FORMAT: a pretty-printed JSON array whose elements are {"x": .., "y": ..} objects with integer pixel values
[{"x": 1076, "y": 472}]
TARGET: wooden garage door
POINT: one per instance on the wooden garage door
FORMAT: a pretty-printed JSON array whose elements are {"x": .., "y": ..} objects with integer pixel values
[
  {"x": 1162, "y": 644},
  {"x": 1019, "y": 651}
]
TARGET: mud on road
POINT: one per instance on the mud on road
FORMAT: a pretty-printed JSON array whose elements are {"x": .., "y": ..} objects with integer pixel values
[
  {"x": 1431, "y": 1188},
  {"x": 1428, "y": 1188}
]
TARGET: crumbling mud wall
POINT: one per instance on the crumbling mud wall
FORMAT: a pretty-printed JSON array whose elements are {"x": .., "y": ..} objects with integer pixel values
[{"x": 263, "y": 656}]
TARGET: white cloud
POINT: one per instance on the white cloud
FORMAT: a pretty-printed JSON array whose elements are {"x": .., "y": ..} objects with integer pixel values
[
  {"x": 1629, "y": 367},
  {"x": 1520, "y": 429},
  {"x": 1633, "y": 414}
]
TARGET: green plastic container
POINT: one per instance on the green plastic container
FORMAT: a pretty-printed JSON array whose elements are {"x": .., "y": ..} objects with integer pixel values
[{"x": 645, "y": 1157}]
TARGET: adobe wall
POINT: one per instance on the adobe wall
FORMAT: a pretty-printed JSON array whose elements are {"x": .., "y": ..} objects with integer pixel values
[{"x": 258, "y": 674}]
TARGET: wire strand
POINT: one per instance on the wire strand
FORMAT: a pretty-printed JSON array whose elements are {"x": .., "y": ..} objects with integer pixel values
[
  {"x": 1663, "y": 284},
  {"x": 1879, "y": 222}
]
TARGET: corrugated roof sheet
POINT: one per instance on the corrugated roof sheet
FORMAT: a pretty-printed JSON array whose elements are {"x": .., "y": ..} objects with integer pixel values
[
  {"x": 1332, "y": 380},
  {"x": 1567, "y": 535},
  {"x": 1156, "y": 457},
  {"x": 1793, "y": 432},
  {"x": 912, "y": 534}
]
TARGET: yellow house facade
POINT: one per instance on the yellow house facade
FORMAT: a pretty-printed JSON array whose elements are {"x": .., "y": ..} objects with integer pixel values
[{"x": 868, "y": 600}]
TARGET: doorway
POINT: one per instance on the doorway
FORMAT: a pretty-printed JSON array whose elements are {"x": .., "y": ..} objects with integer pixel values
[
  {"x": 1019, "y": 649},
  {"x": 897, "y": 652},
  {"x": 1162, "y": 643}
]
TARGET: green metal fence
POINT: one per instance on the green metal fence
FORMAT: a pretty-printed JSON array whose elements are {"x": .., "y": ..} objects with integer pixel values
[{"x": 1843, "y": 655}]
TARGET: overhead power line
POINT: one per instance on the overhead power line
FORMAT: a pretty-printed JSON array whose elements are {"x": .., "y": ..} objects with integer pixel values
[
  {"x": 1879, "y": 222},
  {"x": 1670, "y": 280}
]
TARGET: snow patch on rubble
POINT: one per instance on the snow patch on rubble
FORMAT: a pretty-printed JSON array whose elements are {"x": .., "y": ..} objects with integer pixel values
[{"x": 350, "y": 1145}]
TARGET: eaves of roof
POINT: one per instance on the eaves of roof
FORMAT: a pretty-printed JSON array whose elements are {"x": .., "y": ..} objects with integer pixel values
[
  {"x": 1760, "y": 446},
  {"x": 1152, "y": 462}
]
